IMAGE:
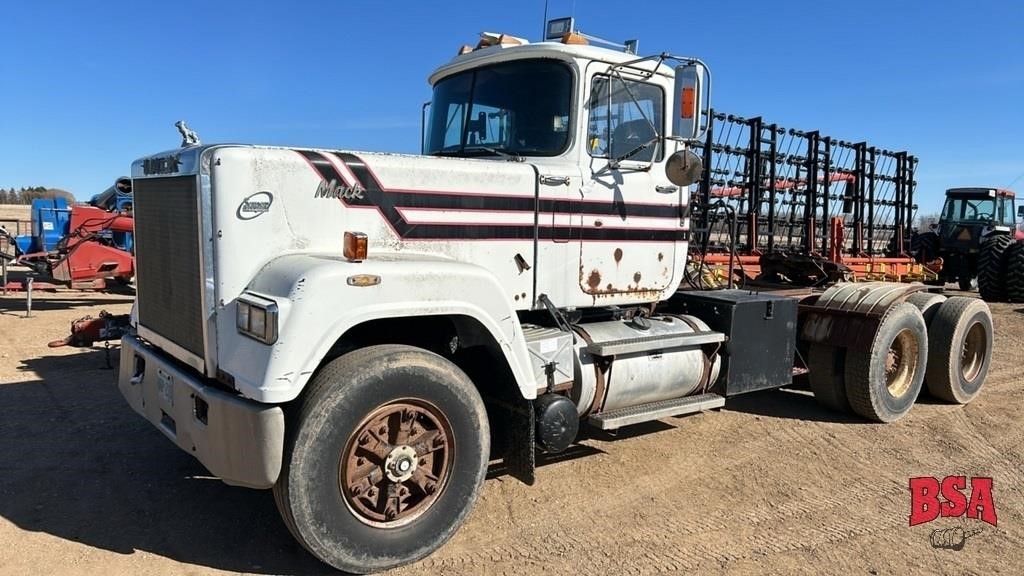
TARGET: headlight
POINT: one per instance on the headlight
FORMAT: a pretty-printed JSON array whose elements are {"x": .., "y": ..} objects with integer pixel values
[{"x": 257, "y": 318}]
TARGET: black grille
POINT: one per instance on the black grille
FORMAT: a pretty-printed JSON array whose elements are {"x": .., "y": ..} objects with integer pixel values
[{"x": 168, "y": 273}]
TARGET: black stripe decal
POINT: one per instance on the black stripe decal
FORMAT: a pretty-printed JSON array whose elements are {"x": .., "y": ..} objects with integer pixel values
[{"x": 388, "y": 202}]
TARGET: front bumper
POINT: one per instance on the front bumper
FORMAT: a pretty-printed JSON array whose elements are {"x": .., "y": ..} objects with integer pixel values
[{"x": 238, "y": 440}]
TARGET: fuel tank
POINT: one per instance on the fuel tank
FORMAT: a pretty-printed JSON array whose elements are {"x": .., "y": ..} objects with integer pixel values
[{"x": 620, "y": 381}]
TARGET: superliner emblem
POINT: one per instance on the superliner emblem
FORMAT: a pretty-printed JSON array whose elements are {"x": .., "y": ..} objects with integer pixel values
[{"x": 254, "y": 205}]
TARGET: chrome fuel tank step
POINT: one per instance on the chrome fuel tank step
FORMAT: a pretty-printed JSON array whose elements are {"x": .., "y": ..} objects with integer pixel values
[{"x": 613, "y": 419}]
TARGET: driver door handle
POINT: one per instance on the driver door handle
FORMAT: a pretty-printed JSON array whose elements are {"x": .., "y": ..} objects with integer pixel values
[
  {"x": 666, "y": 189},
  {"x": 554, "y": 180}
]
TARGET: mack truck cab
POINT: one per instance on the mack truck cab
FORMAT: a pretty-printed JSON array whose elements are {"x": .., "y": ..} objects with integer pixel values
[{"x": 363, "y": 333}]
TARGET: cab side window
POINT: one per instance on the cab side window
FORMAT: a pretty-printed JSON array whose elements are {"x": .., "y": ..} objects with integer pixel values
[{"x": 626, "y": 117}]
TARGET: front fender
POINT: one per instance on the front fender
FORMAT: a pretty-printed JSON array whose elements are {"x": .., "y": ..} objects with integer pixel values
[{"x": 317, "y": 306}]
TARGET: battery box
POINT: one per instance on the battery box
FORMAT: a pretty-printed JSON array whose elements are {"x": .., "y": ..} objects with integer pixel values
[{"x": 761, "y": 336}]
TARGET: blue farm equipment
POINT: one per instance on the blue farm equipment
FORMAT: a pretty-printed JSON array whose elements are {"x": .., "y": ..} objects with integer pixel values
[{"x": 50, "y": 217}]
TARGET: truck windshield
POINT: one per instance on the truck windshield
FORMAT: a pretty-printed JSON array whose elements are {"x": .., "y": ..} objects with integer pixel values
[{"x": 513, "y": 108}]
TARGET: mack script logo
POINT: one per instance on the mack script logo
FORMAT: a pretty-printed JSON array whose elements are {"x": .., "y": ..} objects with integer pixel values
[
  {"x": 254, "y": 205},
  {"x": 331, "y": 189},
  {"x": 161, "y": 165}
]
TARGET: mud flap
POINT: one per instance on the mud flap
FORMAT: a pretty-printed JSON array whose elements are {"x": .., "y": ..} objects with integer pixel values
[{"x": 521, "y": 458}]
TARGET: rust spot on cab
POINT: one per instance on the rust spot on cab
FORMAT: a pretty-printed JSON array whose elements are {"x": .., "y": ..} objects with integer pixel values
[
  {"x": 660, "y": 256},
  {"x": 636, "y": 278},
  {"x": 618, "y": 255},
  {"x": 594, "y": 279}
]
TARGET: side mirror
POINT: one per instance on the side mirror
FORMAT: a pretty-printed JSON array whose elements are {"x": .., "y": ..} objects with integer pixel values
[
  {"x": 693, "y": 101},
  {"x": 683, "y": 168}
]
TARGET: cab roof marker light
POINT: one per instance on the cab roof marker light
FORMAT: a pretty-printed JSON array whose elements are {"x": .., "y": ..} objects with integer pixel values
[{"x": 574, "y": 38}]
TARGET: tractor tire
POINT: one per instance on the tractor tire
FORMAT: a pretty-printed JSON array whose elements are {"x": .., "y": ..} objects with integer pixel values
[
  {"x": 992, "y": 268},
  {"x": 924, "y": 247},
  {"x": 825, "y": 365},
  {"x": 1014, "y": 273},
  {"x": 890, "y": 247},
  {"x": 960, "y": 349},
  {"x": 928, "y": 303},
  {"x": 967, "y": 284},
  {"x": 883, "y": 382},
  {"x": 384, "y": 457}
]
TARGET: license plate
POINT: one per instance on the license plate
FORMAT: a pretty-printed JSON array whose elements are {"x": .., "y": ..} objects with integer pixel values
[{"x": 165, "y": 386}]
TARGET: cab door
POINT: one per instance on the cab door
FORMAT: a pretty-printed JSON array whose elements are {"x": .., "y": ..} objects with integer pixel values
[{"x": 629, "y": 214}]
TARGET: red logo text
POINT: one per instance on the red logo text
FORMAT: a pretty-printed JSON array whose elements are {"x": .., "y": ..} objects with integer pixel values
[{"x": 930, "y": 498}]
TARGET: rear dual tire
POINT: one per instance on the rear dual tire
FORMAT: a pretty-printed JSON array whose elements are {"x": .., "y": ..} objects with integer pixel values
[
  {"x": 883, "y": 382},
  {"x": 992, "y": 268},
  {"x": 1014, "y": 275},
  {"x": 960, "y": 349}
]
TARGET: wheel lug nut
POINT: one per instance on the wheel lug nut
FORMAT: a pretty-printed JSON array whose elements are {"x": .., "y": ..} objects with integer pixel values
[{"x": 356, "y": 490}]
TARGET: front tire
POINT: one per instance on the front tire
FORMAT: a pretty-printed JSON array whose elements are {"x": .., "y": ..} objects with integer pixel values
[
  {"x": 384, "y": 458},
  {"x": 925, "y": 247}
]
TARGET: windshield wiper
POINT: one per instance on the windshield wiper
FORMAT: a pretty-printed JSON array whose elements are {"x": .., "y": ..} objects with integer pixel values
[{"x": 510, "y": 156}]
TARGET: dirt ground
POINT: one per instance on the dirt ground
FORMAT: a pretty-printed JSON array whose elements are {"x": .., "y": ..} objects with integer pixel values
[{"x": 770, "y": 484}]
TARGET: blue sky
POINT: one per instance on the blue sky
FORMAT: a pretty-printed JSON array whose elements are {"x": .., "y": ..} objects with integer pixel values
[{"x": 85, "y": 88}]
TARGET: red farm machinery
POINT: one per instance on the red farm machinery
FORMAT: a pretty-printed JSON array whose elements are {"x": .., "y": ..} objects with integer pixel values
[
  {"x": 77, "y": 246},
  {"x": 777, "y": 204}
]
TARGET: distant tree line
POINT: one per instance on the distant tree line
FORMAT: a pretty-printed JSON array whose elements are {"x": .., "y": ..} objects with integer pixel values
[{"x": 27, "y": 195}]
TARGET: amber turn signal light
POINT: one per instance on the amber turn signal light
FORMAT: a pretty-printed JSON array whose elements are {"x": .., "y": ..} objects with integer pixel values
[{"x": 355, "y": 246}]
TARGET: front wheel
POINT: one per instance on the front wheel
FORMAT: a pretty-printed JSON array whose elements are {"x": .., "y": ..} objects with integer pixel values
[{"x": 385, "y": 455}]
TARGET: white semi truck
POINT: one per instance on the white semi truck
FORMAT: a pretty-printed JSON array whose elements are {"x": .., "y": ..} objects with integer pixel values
[{"x": 364, "y": 332}]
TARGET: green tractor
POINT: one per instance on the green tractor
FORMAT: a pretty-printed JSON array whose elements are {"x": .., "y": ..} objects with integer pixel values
[{"x": 975, "y": 236}]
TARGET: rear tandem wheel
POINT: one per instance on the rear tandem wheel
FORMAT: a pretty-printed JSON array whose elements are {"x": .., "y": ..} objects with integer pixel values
[
  {"x": 883, "y": 382},
  {"x": 960, "y": 341}
]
